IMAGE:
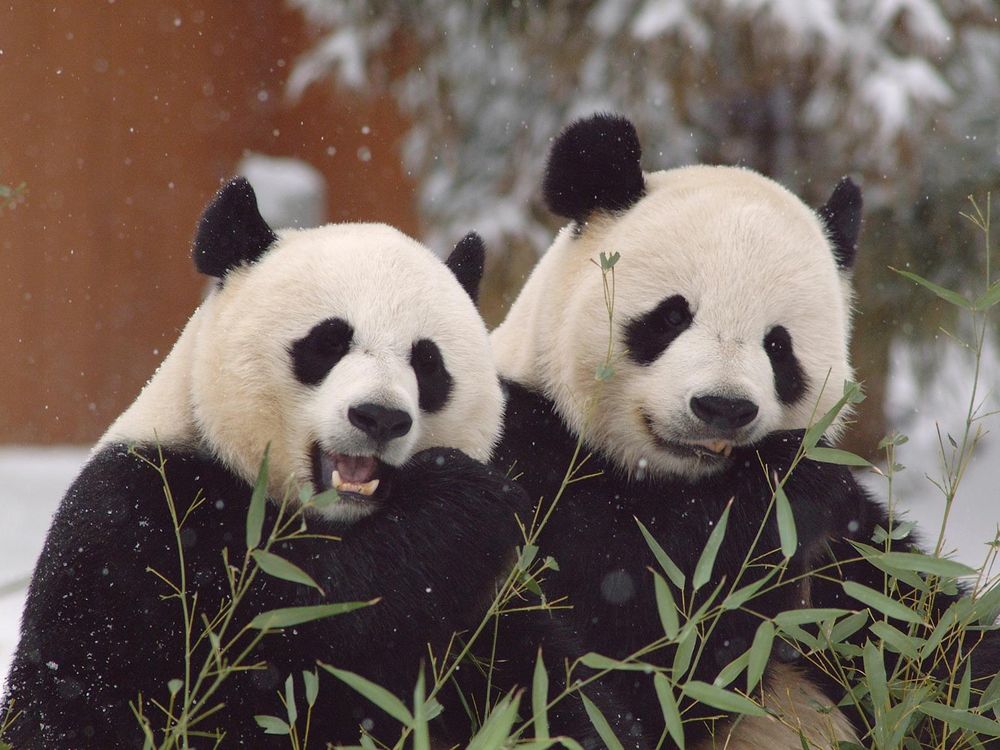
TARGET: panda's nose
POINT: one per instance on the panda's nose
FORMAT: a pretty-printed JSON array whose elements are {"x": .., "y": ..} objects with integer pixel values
[
  {"x": 379, "y": 423},
  {"x": 725, "y": 413}
]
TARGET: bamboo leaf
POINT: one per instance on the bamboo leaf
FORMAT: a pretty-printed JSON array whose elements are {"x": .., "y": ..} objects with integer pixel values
[
  {"x": 540, "y": 699},
  {"x": 600, "y": 724},
  {"x": 290, "y": 707},
  {"x": 703, "y": 570},
  {"x": 989, "y": 299},
  {"x": 421, "y": 735},
  {"x": 760, "y": 653},
  {"x": 897, "y": 640},
  {"x": 919, "y": 563},
  {"x": 742, "y": 595},
  {"x": 255, "y": 514},
  {"x": 847, "y": 627},
  {"x": 836, "y": 456},
  {"x": 289, "y": 616},
  {"x": 786, "y": 523},
  {"x": 281, "y": 568},
  {"x": 272, "y": 725},
  {"x": 375, "y": 693},
  {"x": 808, "y": 615},
  {"x": 875, "y": 677},
  {"x": 877, "y": 600},
  {"x": 597, "y": 661},
  {"x": 665, "y": 606},
  {"x": 961, "y": 719},
  {"x": 311, "y": 680},
  {"x": 668, "y": 705},
  {"x": 496, "y": 728},
  {"x": 673, "y": 572},
  {"x": 722, "y": 699},
  {"x": 732, "y": 670},
  {"x": 947, "y": 295}
]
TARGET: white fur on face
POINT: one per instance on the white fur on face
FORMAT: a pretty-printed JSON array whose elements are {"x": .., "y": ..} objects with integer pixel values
[
  {"x": 242, "y": 390},
  {"x": 746, "y": 254}
]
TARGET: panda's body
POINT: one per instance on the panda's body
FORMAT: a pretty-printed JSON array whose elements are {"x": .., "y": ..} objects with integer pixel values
[
  {"x": 729, "y": 309},
  {"x": 353, "y": 356}
]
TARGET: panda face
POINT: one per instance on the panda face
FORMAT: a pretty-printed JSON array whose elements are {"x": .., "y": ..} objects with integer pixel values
[
  {"x": 730, "y": 321},
  {"x": 347, "y": 349}
]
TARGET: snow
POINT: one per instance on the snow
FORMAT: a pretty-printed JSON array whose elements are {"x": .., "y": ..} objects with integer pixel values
[{"x": 32, "y": 482}]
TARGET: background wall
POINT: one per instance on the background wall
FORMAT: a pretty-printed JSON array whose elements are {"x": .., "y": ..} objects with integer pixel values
[{"x": 122, "y": 118}]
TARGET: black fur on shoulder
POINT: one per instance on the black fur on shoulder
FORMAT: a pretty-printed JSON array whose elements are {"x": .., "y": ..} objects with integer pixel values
[
  {"x": 594, "y": 166},
  {"x": 467, "y": 262},
  {"x": 841, "y": 215},
  {"x": 98, "y": 628},
  {"x": 231, "y": 231}
]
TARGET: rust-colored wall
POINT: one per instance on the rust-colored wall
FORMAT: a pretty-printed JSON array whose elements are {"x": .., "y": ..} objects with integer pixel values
[{"x": 122, "y": 117}]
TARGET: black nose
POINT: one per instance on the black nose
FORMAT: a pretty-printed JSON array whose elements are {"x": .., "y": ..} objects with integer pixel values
[
  {"x": 727, "y": 413},
  {"x": 378, "y": 422}
]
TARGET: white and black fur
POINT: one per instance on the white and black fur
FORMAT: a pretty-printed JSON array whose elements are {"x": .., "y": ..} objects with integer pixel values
[
  {"x": 730, "y": 329},
  {"x": 347, "y": 348}
]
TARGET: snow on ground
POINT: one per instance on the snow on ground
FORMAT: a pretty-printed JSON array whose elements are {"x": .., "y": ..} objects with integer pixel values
[{"x": 32, "y": 481}]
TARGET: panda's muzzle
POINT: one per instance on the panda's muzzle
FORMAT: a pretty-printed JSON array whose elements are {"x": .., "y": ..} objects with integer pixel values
[{"x": 359, "y": 477}]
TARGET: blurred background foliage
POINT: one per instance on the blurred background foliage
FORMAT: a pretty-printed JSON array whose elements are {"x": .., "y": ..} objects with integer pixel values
[{"x": 901, "y": 94}]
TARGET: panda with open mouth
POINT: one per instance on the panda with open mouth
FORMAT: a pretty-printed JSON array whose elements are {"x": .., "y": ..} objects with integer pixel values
[{"x": 357, "y": 362}]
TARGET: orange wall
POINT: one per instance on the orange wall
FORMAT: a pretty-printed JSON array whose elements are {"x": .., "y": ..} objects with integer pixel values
[{"x": 122, "y": 117}]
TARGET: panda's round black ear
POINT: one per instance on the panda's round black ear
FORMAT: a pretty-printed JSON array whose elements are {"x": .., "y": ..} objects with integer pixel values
[
  {"x": 594, "y": 165},
  {"x": 231, "y": 231},
  {"x": 467, "y": 262},
  {"x": 841, "y": 216}
]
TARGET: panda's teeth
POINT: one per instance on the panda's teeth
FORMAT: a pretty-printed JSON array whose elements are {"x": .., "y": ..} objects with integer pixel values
[
  {"x": 367, "y": 489},
  {"x": 728, "y": 450}
]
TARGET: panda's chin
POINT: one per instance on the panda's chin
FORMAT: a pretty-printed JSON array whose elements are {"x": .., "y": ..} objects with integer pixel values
[
  {"x": 710, "y": 453},
  {"x": 357, "y": 479}
]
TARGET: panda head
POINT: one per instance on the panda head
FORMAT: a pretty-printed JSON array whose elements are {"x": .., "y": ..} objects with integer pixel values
[
  {"x": 346, "y": 349},
  {"x": 731, "y": 309}
]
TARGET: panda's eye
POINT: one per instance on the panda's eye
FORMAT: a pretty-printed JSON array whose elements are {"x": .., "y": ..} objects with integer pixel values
[
  {"x": 433, "y": 379},
  {"x": 790, "y": 381},
  {"x": 648, "y": 336},
  {"x": 315, "y": 354}
]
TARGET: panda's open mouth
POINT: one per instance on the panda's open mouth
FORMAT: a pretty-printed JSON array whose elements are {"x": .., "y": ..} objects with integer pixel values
[
  {"x": 358, "y": 478},
  {"x": 713, "y": 450}
]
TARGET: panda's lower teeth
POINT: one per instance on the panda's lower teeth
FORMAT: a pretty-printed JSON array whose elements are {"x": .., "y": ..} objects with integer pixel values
[
  {"x": 367, "y": 488},
  {"x": 718, "y": 446}
]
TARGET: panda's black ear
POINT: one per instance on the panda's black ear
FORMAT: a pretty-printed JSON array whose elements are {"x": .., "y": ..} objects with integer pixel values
[
  {"x": 467, "y": 261},
  {"x": 841, "y": 215},
  {"x": 594, "y": 166},
  {"x": 231, "y": 231}
]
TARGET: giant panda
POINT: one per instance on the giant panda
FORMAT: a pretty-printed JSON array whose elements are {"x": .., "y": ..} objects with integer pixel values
[
  {"x": 729, "y": 331},
  {"x": 356, "y": 361}
]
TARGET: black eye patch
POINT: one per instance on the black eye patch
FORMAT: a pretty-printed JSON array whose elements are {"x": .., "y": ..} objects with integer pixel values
[
  {"x": 315, "y": 354},
  {"x": 433, "y": 379},
  {"x": 648, "y": 336},
  {"x": 789, "y": 379}
]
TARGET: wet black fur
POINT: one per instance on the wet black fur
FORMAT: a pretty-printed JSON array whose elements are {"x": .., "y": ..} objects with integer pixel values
[
  {"x": 596, "y": 541},
  {"x": 96, "y": 631},
  {"x": 231, "y": 231},
  {"x": 841, "y": 215},
  {"x": 467, "y": 261}
]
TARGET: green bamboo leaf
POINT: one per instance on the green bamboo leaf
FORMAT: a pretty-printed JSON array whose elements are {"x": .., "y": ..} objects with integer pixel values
[
  {"x": 947, "y": 295},
  {"x": 496, "y": 728},
  {"x": 919, "y": 563},
  {"x": 311, "y": 680},
  {"x": 722, "y": 699},
  {"x": 255, "y": 515},
  {"x": 281, "y": 568},
  {"x": 527, "y": 556},
  {"x": 375, "y": 693},
  {"x": 852, "y": 394},
  {"x": 668, "y": 705},
  {"x": 290, "y": 707},
  {"x": 673, "y": 572},
  {"x": 174, "y": 686},
  {"x": 272, "y": 725},
  {"x": 836, "y": 456},
  {"x": 847, "y": 627},
  {"x": 878, "y": 686},
  {"x": 732, "y": 670},
  {"x": 665, "y": 606},
  {"x": 897, "y": 640},
  {"x": 325, "y": 499},
  {"x": 600, "y": 724},
  {"x": 685, "y": 650},
  {"x": 807, "y": 615},
  {"x": 877, "y": 600},
  {"x": 965, "y": 688},
  {"x": 741, "y": 596},
  {"x": 421, "y": 735},
  {"x": 703, "y": 570},
  {"x": 989, "y": 299},
  {"x": 760, "y": 653},
  {"x": 289, "y": 616},
  {"x": 786, "y": 523},
  {"x": 540, "y": 699},
  {"x": 961, "y": 719},
  {"x": 597, "y": 661}
]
